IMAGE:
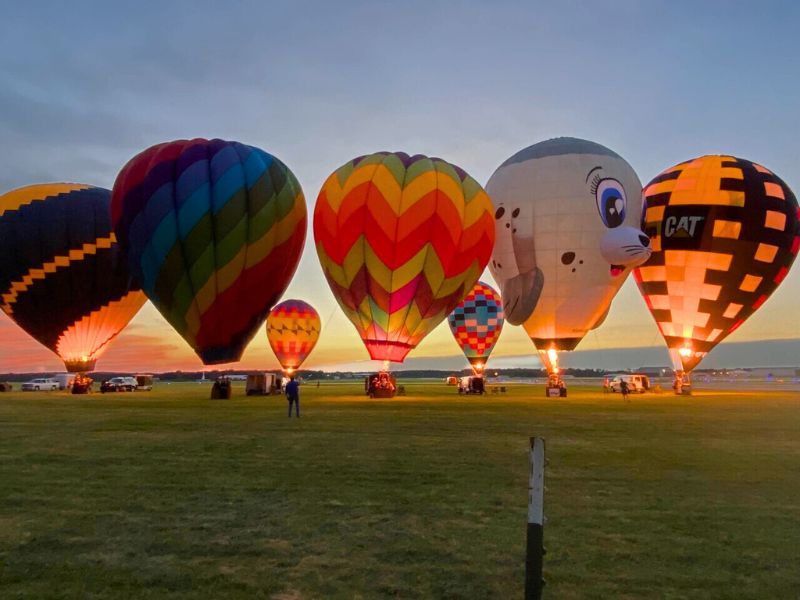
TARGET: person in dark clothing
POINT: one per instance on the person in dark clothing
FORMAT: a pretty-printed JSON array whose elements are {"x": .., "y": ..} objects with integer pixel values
[
  {"x": 293, "y": 396},
  {"x": 623, "y": 387}
]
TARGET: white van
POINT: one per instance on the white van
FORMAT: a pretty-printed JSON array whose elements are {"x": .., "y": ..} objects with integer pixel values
[{"x": 636, "y": 383}]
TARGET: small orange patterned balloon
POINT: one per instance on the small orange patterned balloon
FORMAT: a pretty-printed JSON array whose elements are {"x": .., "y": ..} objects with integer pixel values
[{"x": 293, "y": 328}]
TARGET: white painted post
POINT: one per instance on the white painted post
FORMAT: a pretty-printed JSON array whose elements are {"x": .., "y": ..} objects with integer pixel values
[{"x": 534, "y": 556}]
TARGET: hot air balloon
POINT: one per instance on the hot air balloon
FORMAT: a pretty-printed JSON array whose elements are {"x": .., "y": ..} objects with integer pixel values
[
  {"x": 476, "y": 324},
  {"x": 567, "y": 213},
  {"x": 62, "y": 275},
  {"x": 213, "y": 230},
  {"x": 724, "y": 234},
  {"x": 293, "y": 328},
  {"x": 401, "y": 240}
]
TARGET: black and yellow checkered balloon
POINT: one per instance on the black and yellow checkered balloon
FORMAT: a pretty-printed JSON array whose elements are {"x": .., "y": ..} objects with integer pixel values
[{"x": 724, "y": 233}]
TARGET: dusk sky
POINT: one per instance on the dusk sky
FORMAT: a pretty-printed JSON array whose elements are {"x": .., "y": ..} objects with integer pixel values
[{"x": 85, "y": 86}]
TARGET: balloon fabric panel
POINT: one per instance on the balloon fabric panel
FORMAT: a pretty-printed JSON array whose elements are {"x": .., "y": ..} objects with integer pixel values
[
  {"x": 725, "y": 233},
  {"x": 214, "y": 230},
  {"x": 401, "y": 239},
  {"x": 477, "y": 322},
  {"x": 62, "y": 277},
  {"x": 293, "y": 328}
]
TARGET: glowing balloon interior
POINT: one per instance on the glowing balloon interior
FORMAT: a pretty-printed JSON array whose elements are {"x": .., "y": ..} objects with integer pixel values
[
  {"x": 62, "y": 276},
  {"x": 401, "y": 240},
  {"x": 567, "y": 217},
  {"x": 214, "y": 231},
  {"x": 724, "y": 234},
  {"x": 293, "y": 328},
  {"x": 476, "y": 324}
]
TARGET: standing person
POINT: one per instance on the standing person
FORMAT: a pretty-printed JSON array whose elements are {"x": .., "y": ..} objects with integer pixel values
[
  {"x": 623, "y": 387},
  {"x": 293, "y": 396}
]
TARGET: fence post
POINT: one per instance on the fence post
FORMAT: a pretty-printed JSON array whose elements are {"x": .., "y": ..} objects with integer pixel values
[{"x": 534, "y": 554}]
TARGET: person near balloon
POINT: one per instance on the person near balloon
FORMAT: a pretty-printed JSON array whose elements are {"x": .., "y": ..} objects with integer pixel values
[
  {"x": 623, "y": 388},
  {"x": 293, "y": 396}
]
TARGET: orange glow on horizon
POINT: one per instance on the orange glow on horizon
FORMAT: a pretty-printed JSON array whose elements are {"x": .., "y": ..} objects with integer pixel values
[{"x": 150, "y": 345}]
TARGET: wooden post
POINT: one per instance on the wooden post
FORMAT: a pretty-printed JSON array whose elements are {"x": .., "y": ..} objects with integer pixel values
[{"x": 534, "y": 555}]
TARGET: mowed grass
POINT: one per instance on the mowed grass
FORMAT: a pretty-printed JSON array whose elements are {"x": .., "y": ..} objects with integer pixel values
[{"x": 170, "y": 495}]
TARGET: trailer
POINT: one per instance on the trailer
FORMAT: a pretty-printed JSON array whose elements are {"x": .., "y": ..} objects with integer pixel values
[
  {"x": 262, "y": 384},
  {"x": 65, "y": 380},
  {"x": 144, "y": 383}
]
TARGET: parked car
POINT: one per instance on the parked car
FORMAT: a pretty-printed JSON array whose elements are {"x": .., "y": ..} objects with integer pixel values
[
  {"x": 119, "y": 384},
  {"x": 636, "y": 383},
  {"x": 39, "y": 385}
]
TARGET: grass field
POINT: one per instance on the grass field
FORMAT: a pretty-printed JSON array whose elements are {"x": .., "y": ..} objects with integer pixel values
[{"x": 169, "y": 495}]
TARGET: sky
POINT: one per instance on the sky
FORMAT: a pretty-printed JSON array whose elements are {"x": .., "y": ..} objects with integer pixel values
[{"x": 86, "y": 85}]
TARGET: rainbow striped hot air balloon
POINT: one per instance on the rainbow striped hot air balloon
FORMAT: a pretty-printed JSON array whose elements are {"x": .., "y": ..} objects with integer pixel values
[
  {"x": 401, "y": 240},
  {"x": 476, "y": 324},
  {"x": 62, "y": 276},
  {"x": 293, "y": 328},
  {"x": 214, "y": 231}
]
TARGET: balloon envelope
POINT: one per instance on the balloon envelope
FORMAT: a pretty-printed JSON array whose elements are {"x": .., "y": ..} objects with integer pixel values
[
  {"x": 476, "y": 323},
  {"x": 401, "y": 240},
  {"x": 213, "y": 231},
  {"x": 725, "y": 233},
  {"x": 567, "y": 236},
  {"x": 293, "y": 328},
  {"x": 62, "y": 275}
]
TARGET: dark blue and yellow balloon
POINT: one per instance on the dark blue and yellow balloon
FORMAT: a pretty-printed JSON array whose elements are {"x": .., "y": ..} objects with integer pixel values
[{"x": 62, "y": 276}]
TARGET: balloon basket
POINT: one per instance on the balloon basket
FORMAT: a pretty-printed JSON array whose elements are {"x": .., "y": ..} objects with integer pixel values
[
  {"x": 222, "y": 389},
  {"x": 82, "y": 384},
  {"x": 380, "y": 385},
  {"x": 474, "y": 384},
  {"x": 556, "y": 388},
  {"x": 682, "y": 384}
]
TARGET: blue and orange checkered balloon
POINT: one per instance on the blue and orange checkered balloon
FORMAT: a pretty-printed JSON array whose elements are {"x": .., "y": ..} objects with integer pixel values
[{"x": 476, "y": 323}]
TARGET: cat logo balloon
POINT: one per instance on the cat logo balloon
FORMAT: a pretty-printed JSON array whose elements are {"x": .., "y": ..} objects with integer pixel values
[{"x": 567, "y": 217}]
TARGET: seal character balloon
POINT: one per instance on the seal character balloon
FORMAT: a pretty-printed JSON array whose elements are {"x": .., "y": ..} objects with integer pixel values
[
  {"x": 567, "y": 237},
  {"x": 213, "y": 231},
  {"x": 401, "y": 240},
  {"x": 63, "y": 278},
  {"x": 725, "y": 234}
]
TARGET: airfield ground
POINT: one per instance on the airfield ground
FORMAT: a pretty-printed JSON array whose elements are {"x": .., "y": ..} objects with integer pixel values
[{"x": 169, "y": 495}]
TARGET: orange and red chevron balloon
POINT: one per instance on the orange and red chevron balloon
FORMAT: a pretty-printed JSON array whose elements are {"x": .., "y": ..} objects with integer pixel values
[
  {"x": 293, "y": 328},
  {"x": 401, "y": 239},
  {"x": 724, "y": 233}
]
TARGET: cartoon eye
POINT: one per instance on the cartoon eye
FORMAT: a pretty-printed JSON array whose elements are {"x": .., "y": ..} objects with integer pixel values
[
  {"x": 515, "y": 214},
  {"x": 500, "y": 212},
  {"x": 611, "y": 202}
]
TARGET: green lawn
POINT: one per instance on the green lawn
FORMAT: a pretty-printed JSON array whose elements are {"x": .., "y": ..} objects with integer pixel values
[{"x": 169, "y": 495}]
